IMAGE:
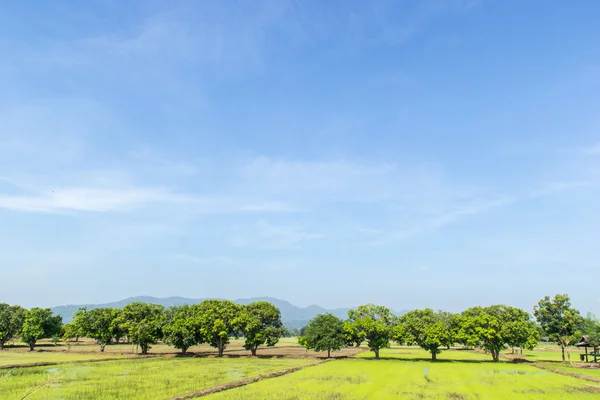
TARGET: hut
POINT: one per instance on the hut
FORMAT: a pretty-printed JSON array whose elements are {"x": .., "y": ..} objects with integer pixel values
[{"x": 586, "y": 342}]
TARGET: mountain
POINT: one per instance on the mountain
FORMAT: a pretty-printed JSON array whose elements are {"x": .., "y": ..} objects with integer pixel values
[{"x": 292, "y": 316}]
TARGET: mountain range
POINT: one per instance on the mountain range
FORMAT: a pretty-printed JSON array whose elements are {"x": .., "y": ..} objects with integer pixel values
[{"x": 291, "y": 315}]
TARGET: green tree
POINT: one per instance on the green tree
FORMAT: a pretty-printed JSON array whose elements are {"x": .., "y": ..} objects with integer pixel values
[
  {"x": 590, "y": 325},
  {"x": 425, "y": 328},
  {"x": 11, "y": 322},
  {"x": 182, "y": 329},
  {"x": 559, "y": 320},
  {"x": 519, "y": 330},
  {"x": 78, "y": 325},
  {"x": 39, "y": 323},
  {"x": 219, "y": 319},
  {"x": 143, "y": 323},
  {"x": 491, "y": 328},
  {"x": 370, "y": 323},
  {"x": 100, "y": 325},
  {"x": 260, "y": 324},
  {"x": 324, "y": 333}
]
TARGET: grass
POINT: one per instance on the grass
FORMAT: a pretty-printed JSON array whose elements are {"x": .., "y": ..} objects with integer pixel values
[
  {"x": 8, "y": 357},
  {"x": 416, "y": 353},
  {"x": 154, "y": 378},
  {"x": 392, "y": 379},
  {"x": 549, "y": 355},
  {"x": 592, "y": 372}
]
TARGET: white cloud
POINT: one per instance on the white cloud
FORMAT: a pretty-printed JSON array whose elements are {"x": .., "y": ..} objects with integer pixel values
[{"x": 88, "y": 199}]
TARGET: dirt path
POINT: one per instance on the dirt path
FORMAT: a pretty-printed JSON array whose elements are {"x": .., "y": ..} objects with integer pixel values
[
  {"x": 566, "y": 373},
  {"x": 244, "y": 382}
]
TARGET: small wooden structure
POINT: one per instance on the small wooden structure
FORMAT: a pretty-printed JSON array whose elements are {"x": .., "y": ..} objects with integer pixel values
[{"x": 585, "y": 342}]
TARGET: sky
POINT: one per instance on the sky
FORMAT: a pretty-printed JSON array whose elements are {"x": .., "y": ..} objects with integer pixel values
[{"x": 414, "y": 154}]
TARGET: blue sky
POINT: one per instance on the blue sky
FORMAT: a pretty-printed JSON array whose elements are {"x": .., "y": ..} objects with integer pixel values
[{"x": 436, "y": 154}]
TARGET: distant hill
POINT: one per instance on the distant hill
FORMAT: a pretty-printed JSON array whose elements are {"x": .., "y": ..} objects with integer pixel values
[{"x": 292, "y": 316}]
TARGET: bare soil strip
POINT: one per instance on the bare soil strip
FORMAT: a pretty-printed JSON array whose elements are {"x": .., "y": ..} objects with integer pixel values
[
  {"x": 93, "y": 360},
  {"x": 244, "y": 382},
  {"x": 566, "y": 373}
]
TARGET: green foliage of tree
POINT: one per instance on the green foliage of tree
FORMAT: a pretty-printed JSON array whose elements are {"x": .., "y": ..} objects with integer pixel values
[
  {"x": 371, "y": 323},
  {"x": 559, "y": 320},
  {"x": 219, "y": 319},
  {"x": 260, "y": 323},
  {"x": 11, "y": 322},
  {"x": 425, "y": 328},
  {"x": 590, "y": 325},
  {"x": 101, "y": 325},
  {"x": 182, "y": 329},
  {"x": 493, "y": 327},
  {"x": 40, "y": 323},
  {"x": 324, "y": 333},
  {"x": 143, "y": 323}
]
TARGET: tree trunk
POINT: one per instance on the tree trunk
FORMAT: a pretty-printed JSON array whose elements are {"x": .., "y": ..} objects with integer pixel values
[
  {"x": 1, "y": 345},
  {"x": 31, "y": 346},
  {"x": 253, "y": 350},
  {"x": 376, "y": 354},
  {"x": 220, "y": 347},
  {"x": 328, "y": 353},
  {"x": 569, "y": 355},
  {"x": 521, "y": 350},
  {"x": 144, "y": 348},
  {"x": 433, "y": 355},
  {"x": 183, "y": 350},
  {"x": 563, "y": 353}
]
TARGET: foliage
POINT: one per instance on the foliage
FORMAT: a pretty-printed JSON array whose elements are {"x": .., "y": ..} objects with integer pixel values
[
  {"x": 11, "y": 322},
  {"x": 182, "y": 329},
  {"x": 371, "y": 323},
  {"x": 492, "y": 327},
  {"x": 324, "y": 333},
  {"x": 260, "y": 323},
  {"x": 39, "y": 323},
  {"x": 425, "y": 328},
  {"x": 143, "y": 323},
  {"x": 100, "y": 325},
  {"x": 219, "y": 319},
  {"x": 559, "y": 320},
  {"x": 590, "y": 325}
]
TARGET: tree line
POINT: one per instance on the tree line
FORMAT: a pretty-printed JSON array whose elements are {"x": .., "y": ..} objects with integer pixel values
[
  {"x": 215, "y": 322},
  {"x": 490, "y": 328}
]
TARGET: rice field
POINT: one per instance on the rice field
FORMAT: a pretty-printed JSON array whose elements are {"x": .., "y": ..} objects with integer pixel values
[
  {"x": 393, "y": 379},
  {"x": 151, "y": 378},
  {"x": 22, "y": 357}
]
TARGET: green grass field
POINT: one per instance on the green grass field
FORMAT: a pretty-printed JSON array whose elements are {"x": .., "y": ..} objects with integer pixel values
[
  {"x": 592, "y": 372},
  {"x": 21, "y": 357},
  {"x": 393, "y": 379},
  {"x": 155, "y": 378}
]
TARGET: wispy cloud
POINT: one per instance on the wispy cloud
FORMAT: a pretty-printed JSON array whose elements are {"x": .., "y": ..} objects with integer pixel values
[{"x": 264, "y": 234}]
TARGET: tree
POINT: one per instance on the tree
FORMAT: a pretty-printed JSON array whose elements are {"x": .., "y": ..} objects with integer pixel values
[
  {"x": 590, "y": 325},
  {"x": 260, "y": 324},
  {"x": 492, "y": 327},
  {"x": 11, "y": 322},
  {"x": 79, "y": 324},
  {"x": 519, "y": 330},
  {"x": 182, "y": 329},
  {"x": 143, "y": 323},
  {"x": 559, "y": 320},
  {"x": 324, "y": 333},
  {"x": 100, "y": 325},
  {"x": 39, "y": 323},
  {"x": 370, "y": 323},
  {"x": 219, "y": 319},
  {"x": 425, "y": 328}
]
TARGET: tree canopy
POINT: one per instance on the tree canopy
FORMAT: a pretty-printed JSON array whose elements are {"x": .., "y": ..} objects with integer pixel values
[
  {"x": 182, "y": 328},
  {"x": 493, "y": 327},
  {"x": 324, "y": 333},
  {"x": 428, "y": 329},
  {"x": 371, "y": 323},
  {"x": 143, "y": 323},
  {"x": 11, "y": 322},
  {"x": 559, "y": 320},
  {"x": 219, "y": 319},
  {"x": 260, "y": 323},
  {"x": 40, "y": 323}
]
